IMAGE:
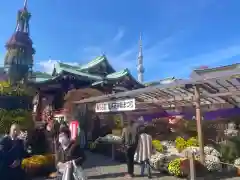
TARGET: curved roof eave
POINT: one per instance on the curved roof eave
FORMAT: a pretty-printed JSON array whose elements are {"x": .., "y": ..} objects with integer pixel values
[
  {"x": 95, "y": 62},
  {"x": 121, "y": 74},
  {"x": 61, "y": 67}
]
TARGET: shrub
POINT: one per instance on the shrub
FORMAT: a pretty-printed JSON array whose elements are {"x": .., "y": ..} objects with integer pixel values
[
  {"x": 157, "y": 145},
  {"x": 181, "y": 144},
  {"x": 38, "y": 163},
  {"x": 192, "y": 142},
  {"x": 174, "y": 167},
  {"x": 6, "y": 89},
  {"x": 19, "y": 116}
]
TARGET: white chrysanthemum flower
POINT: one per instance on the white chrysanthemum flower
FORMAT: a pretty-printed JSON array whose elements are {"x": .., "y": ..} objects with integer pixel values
[
  {"x": 157, "y": 160},
  {"x": 208, "y": 150},
  {"x": 212, "y": 163},
  {"x": 110, "y": 138},
  {"x": 237, "y": 162}
]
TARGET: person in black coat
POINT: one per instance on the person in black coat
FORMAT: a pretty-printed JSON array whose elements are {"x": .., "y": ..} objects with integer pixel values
[
  {"x": 12, "y": 152},
  {"x": 69, "y": 150}
]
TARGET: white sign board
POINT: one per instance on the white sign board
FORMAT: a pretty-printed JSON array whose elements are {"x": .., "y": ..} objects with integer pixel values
[{"x": 116, "y": 106}]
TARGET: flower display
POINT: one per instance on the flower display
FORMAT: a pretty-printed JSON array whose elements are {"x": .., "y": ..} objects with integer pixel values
[
  {"x": 157, "y": 145},
  {"x": 237, "y": 162},
  {"x": 181, "y": 144},
  {"x": 192, "y": 142},
  {"x": 110, "y": 138},
  {"x": 212, "y": 163},
  {"x": 174, "y": 167},
  {"x": 167, "y": 144},
  {"x": 157, "y": 160},
  {"x": 208, "y": 150},
  {"x": 37, "y": 163}
]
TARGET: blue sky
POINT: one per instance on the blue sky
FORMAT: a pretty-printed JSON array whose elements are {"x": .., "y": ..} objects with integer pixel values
[{"x": 177, "y": 35}]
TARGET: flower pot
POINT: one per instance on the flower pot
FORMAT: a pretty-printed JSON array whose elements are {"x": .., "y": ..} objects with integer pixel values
[{"x": 238, "y": 171}]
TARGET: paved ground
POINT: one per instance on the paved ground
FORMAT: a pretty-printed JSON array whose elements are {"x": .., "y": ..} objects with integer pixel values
[{"x": 103, "y": 168}]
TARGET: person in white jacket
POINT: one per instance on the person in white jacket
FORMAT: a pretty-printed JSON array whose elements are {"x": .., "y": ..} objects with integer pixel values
[{"x": 144, "y": 150}]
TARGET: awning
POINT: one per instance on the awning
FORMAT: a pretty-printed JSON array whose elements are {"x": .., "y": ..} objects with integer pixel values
[{"x": 214, "y": 90}]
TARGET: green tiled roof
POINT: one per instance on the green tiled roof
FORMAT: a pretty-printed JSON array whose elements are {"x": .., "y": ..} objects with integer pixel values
[
  {"x": 41, "y": 74},
  {"x": 71, "y": 69},
  {"x": 43, "y": 79},
  {"x": 63, "y": 65},
  {"x": 114, "y": 76},
  {"x": 79, "y": 71},
  {"x": 94, "y": 62},
  {"x": 59, "y": 66},
  {"x": 118, "y": 74}
]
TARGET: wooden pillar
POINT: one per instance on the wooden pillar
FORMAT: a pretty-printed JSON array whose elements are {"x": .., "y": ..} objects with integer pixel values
[
  {"x": 192, "y": 170},
  {"x": 199, "y": 122}
]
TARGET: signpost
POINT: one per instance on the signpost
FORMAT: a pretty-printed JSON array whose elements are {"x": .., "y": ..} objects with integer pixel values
[{"x": 116, "y": 106}]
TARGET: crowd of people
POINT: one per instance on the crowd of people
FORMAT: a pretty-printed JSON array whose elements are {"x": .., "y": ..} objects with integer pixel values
[
  {"x": 47, "y": 139},
  {"x": 56, "y": 139}
]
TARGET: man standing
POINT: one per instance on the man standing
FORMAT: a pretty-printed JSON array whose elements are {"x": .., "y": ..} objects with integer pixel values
[
  {"x": 130, "y": 141},
  {"x": 13, "y": 151},
  {"x": 144, "y": 150}
]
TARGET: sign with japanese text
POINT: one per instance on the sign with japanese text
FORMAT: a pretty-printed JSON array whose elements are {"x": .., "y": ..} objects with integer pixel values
[{"x": 116, "y": 106}]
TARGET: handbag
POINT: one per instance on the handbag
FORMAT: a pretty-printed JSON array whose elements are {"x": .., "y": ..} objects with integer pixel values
[{"x": 68, "y": 172}]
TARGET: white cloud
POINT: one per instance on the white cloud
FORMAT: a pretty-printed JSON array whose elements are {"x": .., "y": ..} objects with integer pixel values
[
  {"x": 47, "y": 66},
  {"x": 120, "y": 34}
]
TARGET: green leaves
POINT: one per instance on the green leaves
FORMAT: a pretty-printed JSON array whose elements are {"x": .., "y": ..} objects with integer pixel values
[
  {"x": 157, "y": 145},
  {"x": 181, "y": 143},
  {"x": 19, "y": 116},
  {"x": 6, "y": 89}
]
